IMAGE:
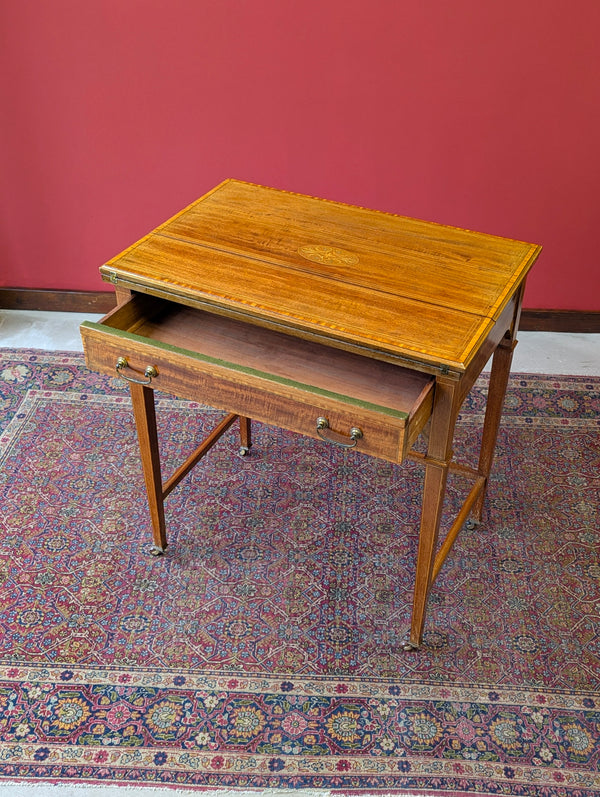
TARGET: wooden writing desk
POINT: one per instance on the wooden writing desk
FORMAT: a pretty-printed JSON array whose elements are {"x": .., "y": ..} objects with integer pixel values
[{"x": 349, "y": 325}]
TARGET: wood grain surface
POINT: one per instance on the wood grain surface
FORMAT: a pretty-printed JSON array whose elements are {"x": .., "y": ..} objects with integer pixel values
[{"x": 368, "y": 281}]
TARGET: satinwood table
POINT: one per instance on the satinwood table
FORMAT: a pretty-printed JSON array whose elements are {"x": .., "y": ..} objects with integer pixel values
[{"x": 359, "y": 328}]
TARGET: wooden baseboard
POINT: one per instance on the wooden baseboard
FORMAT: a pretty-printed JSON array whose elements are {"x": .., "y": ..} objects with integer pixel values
[
  {"x": 560, "y": 321},
  {"x": 59, "y": 301},
  {"x": 104, "y": 301}
]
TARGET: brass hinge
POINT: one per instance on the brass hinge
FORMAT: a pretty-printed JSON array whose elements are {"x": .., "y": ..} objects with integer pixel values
[{"x": 112, "y": 277}]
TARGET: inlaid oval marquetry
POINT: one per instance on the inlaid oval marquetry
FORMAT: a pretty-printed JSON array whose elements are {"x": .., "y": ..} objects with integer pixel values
[{"x": 328, "y": 254}]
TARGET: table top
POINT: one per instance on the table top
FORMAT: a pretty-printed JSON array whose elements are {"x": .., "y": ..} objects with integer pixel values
[{"x": 372, "y": 282}]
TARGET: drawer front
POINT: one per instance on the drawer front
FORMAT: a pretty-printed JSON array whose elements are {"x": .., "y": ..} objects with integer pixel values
[{"x": 276, "y": 402}]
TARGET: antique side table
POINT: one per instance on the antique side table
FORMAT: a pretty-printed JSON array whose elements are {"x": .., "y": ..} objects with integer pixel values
[{"x": 356, "y": 327}]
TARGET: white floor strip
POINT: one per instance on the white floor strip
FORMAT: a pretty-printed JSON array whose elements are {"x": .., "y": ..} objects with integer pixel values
[{"x": 537, "y": 352}]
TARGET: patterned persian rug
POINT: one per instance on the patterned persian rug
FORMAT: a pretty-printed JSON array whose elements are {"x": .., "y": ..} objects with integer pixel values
[{"x": 264, "y": 649}]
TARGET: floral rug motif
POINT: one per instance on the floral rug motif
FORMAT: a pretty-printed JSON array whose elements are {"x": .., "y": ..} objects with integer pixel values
[{"x": 264, "y": 649}]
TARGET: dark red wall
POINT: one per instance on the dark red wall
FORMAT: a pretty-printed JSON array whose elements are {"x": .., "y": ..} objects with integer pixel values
[{"x": 478, "y": 114}]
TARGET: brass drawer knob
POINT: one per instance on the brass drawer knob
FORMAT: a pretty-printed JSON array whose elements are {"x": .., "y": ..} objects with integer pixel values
[
  {"x": 323, "y": 426},
  {"x": 150, "y": 372}
]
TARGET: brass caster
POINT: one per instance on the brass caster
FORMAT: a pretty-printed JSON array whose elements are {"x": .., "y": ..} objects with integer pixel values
[
  {"x": 156, "y": 550},
  {"x": 409, "y": 646},
  {"x": 244, "y": 451},
  {"x": 471, "y": 523}
]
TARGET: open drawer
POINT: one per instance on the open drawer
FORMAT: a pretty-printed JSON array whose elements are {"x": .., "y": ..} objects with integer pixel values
[{"x": 280, "y": 379}]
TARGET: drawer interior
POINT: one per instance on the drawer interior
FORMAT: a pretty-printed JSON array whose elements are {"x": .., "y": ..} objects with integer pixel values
[{"x": 388, "y": 388}]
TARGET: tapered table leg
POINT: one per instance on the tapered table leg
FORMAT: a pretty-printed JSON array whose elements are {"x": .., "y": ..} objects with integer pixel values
[
  {"x": 499, "y": 375},
  {"x": 145, "y": 418},
  {"x": 439, "y": 454},
  {"x": 245, "y": 435}
]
